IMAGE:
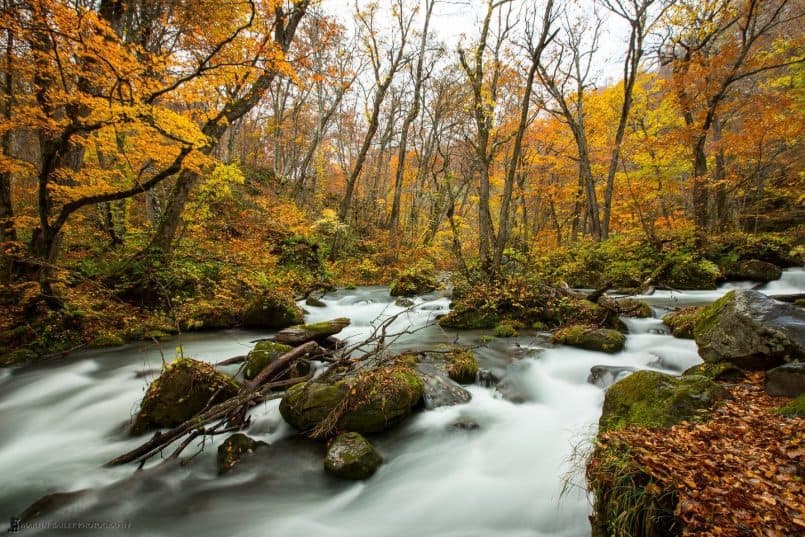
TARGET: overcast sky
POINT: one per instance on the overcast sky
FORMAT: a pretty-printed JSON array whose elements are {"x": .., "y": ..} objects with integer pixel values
[{"x": 454, "y": 20}]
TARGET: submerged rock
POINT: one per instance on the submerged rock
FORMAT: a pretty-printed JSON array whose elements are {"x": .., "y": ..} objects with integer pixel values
[
  {"x": 788, "y": 380},
  {"x": 605, "y": 376},
  {"x": 233, "y": 449},
  {"x": 184, "y": 388},
  {"x": 653, "y": 399},
  {"x": 351, "y": 456},
  {"x": 404, "y": 302},
  {"x": 751, "y": 331},
  {"x": 590, "y": 338},
  {"x": 272, "y": 310},
  {"x": 682, "y": 321},
  {"x": 363, "y": 401}
]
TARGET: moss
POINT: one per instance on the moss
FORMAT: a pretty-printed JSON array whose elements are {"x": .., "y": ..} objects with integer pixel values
[
  {"x": 465, "y": 318},
  {"x": 691, "y": 273},
  {"x": 184, "y": 388},
  {"x": 315, "y": 302},
  {"x": 723, "y": 371},
  {"x": 505, "y": 330},
  {"x": 19, "y": 356},
  {"x": 590, "y": 338},
  {"x": 351, "y": 456},
  {"x": 681, "y": 321},
  {"x": 484, "y": 339},
  {"x": 272, "y": 310},
  {"x": 707, "y": 318},
  {"x": 107, "y": 339},
  {"x": 265, "y": 352},
  {"x": 462, "y": 367},
  {"x": 652, "y": 399},
  {"x": 794, "y": 409}
]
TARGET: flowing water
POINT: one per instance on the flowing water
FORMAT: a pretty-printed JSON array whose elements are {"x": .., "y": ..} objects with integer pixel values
[{"x": 62, "y": 421}]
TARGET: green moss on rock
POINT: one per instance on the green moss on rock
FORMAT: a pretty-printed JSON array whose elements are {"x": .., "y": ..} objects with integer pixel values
[
  {"x": 691, "y": 274},
  {"x": 794, "y": 409},
  {"x": 351, "y": 456},
  {"x": 505, "y": 330},
  {"x": 414, "y": 282},
  {"x": 272, "y": 310},
  {"x": 681, "y": 321},
  {"x": 184, "y": 388},
  {"x": 365, "y": 402},
  {"x": 232, "y": 450},
  {"x": 466, "y": 318},
  {"x": 265, "y": 352},
  {"x": 462, "y": 366},
  {"x": 590, "y": 338},
  {"x": 723, "y": 371},
  {"x": 632, "y": 307},
  {"x": 653, "y": 399}
]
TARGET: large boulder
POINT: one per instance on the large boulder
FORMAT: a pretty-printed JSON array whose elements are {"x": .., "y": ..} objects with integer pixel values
[
  {"x": 351, "y": 456},
  {"x": 681, "y": 321},
  {"x": 590, "y": 338},
  {"x": 265, "y": 352},
  {"x": 788, "y": 380},
  {"x": 653, "y": 399},
  {"x": 750, "y": 330},
  {"x": 272, "y": 310},
  {"x": 234, "y": 449},
  {"x": 691, "y": 274},
  {"x": 184, "y": 389},
  {"x": 754, "y": 270},
  {"x": 365, "y": 401},
  {"x": 414, "y": 282}
]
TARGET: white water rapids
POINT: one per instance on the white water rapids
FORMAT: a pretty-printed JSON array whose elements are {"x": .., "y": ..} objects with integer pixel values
[{"x": 59, "y": 422}]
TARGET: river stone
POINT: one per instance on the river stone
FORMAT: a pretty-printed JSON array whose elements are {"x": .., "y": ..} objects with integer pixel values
[
  {"x": 351, "y": 456},
  {"x": 788, "y": 380},
  {"x": 682, "y": 321},
  {"x": 755, "y": 270},
  {"x": 412, "y": 283},
  {"x": 184, "y": 389},
  {"x": 272, "y": 310},
  {"x": 302, "y": 333},
  {"x": 604, "y": 376},
  {"x": 691, "y": 274},
  {"x": 233, "y": 449},
  {"x": 632, "y": 307},
  {"x": 721, "y": 371},
  {"x": 590, "y": 338},
  {"x": 265, "y": 352},
  {"x": 438, "y": 389},
  {"x": 366, "y": 401},
  {"x": 315, "y": 302},
  {"x": 751, "y": 331},
  {"x": 653, "y": 399},
  {"x": 403, "y": 302}
]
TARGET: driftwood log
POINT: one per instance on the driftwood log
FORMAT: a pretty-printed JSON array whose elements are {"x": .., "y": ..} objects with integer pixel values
[{"x": 297, "y": 335}]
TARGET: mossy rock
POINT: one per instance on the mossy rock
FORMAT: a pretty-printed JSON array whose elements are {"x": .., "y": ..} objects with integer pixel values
[
  {"x": 19, "y": 356},
  {"x": 505, "y": 330},
  {"x": 569, "y": 311},
  {"x": 107, "y": 339},
  {"x": 681, "y": 321},
  {"x": 590, "y": 338},
  {"x": 754, "y": 270},
  {"x": 351, "y": 456},
  {"x": 233, "y": 450},
  {"x": 462, "y": 367},
  {"x": 467, "y": 318},
  {"x": 628, "y": 500},
  {"x": 265, "y": 352},
  {"x": 413, "y": 283},
  {"x": 365, "y": 402},
  {"x": 653, "y": 399},
  {"x": 794, "y": 409},
  {"x": 692, "y": 274},
  {"x": 272, "y": 310},
  {"x": 314, "y": 302},
  {"x": 723, "y": 371},
  {"x": 184, "y": 389},
  {"x": 632, "y": 307},
  {"x": 750, "y": 330}
]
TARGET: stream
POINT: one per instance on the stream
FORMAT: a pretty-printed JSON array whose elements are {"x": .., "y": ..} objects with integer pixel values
[{"x": 60, "y": 421}]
